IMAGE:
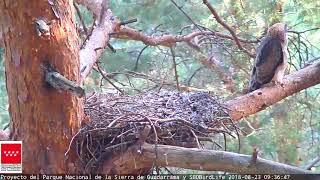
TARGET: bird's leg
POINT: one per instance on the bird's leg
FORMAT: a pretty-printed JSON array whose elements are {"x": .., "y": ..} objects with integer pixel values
[
  {"x": 278, "y": 77},
  {"x": 279, "y": 80}
]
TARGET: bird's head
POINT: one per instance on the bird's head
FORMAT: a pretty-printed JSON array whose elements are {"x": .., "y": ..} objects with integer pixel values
[{"x": 278, "y": 30}]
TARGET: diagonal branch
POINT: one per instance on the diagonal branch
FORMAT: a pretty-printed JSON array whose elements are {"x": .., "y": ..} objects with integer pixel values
[
  {"x": 85, "y": 29},
  {"x": 93, "y": 5},
  {"x": 226, "y": 26},
  {"x": 313, "y": 163},
  {"x": 260, "y": 99},
  {"x": 96, "y": 43}
]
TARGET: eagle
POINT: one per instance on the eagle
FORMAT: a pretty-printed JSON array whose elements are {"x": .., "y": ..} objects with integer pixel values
[{"x": 271, "y": 58}]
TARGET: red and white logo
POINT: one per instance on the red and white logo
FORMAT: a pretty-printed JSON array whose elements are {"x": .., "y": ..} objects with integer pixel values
[{"x": 11, "y": 157}]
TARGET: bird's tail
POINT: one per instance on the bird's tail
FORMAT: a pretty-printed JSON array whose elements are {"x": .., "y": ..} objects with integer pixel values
[{"x": 254, "y": 86}]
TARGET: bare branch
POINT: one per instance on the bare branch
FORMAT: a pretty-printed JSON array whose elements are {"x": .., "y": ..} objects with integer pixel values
[
  {"x": 260, "y": 99},
  {"x": 301, "y": 32},
  {"x": 313, "y": 163},
  {"x": 81, "y": 19},
  {"x": 220, "y": 21},
  {"x": 137, "y": 61},
  {"x": 107, "y": 79},
  {"x": 167, "y": 40},
  {"x": 176, "y": 5},
  {"x": 192, "y": 158},
  {"x": 174, "y": 66},
  {"x": 99, "y": 38},
  {"x": 93, "y": 5}
]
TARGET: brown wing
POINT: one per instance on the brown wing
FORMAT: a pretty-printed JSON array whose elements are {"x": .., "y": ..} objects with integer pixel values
[{"x": 269, "y": 57}]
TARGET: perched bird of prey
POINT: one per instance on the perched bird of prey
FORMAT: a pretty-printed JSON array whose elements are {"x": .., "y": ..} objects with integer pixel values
[{"x": 271, "y": 59}]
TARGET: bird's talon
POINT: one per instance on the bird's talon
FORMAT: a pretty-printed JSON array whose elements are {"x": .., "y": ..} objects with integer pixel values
[{"x": 277, "y": 83}]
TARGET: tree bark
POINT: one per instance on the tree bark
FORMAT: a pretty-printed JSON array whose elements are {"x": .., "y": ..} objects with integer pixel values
[
  {"x": 42, "y": 117},
  {"x": 260, "y": 99},
  {"x": 139, "y": 158}
]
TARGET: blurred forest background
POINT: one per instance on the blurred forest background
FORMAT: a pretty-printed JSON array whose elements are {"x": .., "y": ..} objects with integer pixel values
[{"x": 288, "y": 132}]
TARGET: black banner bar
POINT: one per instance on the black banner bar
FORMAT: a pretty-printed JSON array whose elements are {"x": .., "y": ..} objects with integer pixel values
[{"x": 160, "y": 177}]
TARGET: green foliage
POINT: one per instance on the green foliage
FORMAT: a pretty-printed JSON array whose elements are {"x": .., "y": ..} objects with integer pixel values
[
  {"x": 4, "y": 115},
  {"x": 287, "y": 132}
]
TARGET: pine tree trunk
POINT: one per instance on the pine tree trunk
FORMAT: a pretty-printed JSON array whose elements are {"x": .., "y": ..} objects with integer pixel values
[{"x": 42, "y": 117}]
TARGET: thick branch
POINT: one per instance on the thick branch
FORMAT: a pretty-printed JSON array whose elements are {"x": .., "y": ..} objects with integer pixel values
[
  {"x": 94, "y": 47},
  {"x": 167, "y": 40},
  {"x": 193, "y": 158},
  {"x": 260, "y": 99}
]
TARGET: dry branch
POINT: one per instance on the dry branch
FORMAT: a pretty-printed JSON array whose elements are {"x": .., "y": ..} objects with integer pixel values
[
  {"x": 98, "y": 40},
  {"x": 167, "y": 40},
  {"x": 194, "y": 158},
  {"x": 313, "y": 163},
  {"x": 226, "y": 26},
  {"x": 260, "y": 99},
  {"x": 93, "y": 5}
]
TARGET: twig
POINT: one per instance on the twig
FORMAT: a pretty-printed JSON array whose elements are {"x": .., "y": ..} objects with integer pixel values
[
  {"x": 225, "y": 141},
  {"x": 196, "y": 138},
  {"x": 225, "y": 36},
  {"x": 226, "y": 26},
  {"x": 69, "y": 147},
  {"x": 144, "y": 135},
  {"x": 156, "y": 140},
  {"x": 106, "y": 78},
  {"x": 313, "y": 163},
  {"x": 117, "y": 145},
  {"x": 174, "y": 64},
  {"x": 114, "y": 121},
  {"x": 137, "y": 61},
  {"x": 81, "y": 19},
  {"x": 111, "y": 48},
  {"x": 193, "y": 74},
  {"x": 175, "y": 4},
  {"x": 254, "y": 157},
  {"x": 237, "y": 132},
  {"x": 128, "y": 21},
  {"x": 313, "y": 60},
  {"x": 301, "y": 32}
]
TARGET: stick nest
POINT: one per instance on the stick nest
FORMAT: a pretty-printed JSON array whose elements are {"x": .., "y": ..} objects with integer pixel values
[{"x": 178, "y": 119}]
